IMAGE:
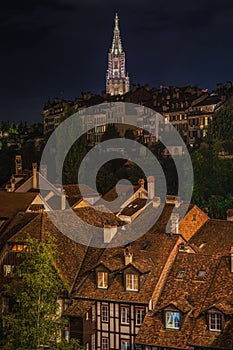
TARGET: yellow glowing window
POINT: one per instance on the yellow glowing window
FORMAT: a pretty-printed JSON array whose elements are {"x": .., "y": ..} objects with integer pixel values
[
  {"x": 131, "y": 281},
  {"x": 102, "y": 280},
  {"x": 19, "y": 247}
]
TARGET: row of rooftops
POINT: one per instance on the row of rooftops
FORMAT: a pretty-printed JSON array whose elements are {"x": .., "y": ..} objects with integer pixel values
[
  {"x": 189, "y": 271},
  {"x": 171, "y": 98}
]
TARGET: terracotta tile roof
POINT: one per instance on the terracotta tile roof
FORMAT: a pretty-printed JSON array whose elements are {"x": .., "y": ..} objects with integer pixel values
[
  {"x": 186, "y": 295},
  {"x": 12, "y": 202},
  {"x": 133, "y": 207},
  {"x": 219, "y": 297},
  {"x": 79, "y": 309},
  {"x": 215, "y": 237},
  {"x": 149, "y": 261},
  {"x": 112, "y": 193}
]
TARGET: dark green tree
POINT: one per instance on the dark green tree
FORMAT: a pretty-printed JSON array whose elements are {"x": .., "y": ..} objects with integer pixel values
[{"x": 34, "y": 322}]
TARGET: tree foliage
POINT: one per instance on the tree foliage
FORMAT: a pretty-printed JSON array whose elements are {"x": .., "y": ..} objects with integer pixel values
[{"x": 34, "y": 321}]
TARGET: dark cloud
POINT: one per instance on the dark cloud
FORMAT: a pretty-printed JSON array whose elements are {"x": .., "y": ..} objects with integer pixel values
[{"x": 59, "y": 47}]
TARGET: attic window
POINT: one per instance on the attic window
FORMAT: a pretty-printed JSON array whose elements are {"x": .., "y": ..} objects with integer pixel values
[
  {"x": 146, "y": 245},
  {"x": 130, "y": 205},
  {"x": 201, "y": 275},
  {"x": 132, "y": 282},
  {"x": 180, "y": 274},
  {"x": 102, "y": 279},
  {"x": 172, "y": 319},
  {"x": 135, "y": 206},
  {"x": 215, "y": 321}
]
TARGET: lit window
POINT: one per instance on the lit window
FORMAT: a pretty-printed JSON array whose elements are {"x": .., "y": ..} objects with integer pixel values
[
  {"x": 103, "y": 280},
  {"x": 125, "y": 345},
  {"x": 105, "y": 344},
  {"x": 140, "y": 312},
  {"x": 172, "y": 319},
  {"x": 11, "y": 271},
  {"x": 19, "y": 247},
  {"x": 215, "y": 321},
  {"x": 104, "y": 313},
  {"x": 124, "y": 314},
  {"x": 131, "y": 281},
  {"x": 87, "y": 316}
]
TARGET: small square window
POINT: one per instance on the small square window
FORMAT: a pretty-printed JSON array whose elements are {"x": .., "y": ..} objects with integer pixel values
[
  {"x": 172, "y": 319},
  {"x": 180, "y": 274},
  {"x": 201, "y": 275},
  {"x": 125, "y": 345},
  {"x": 102, "y": 280}
]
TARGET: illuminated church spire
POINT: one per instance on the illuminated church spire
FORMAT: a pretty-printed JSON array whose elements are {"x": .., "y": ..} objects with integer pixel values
[
  {"x": 117, "y": 81},
  {"x": 116, "y": 43}
]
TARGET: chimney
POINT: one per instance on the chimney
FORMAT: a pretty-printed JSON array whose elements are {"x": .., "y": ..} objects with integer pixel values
[
  {"x": 63, "y": 200},
  {"x": 178, "y": 202},
  {"x": 151, "y": 187},
  {"x": 232, "y": 259},
  {"x": 34, "y": 176},
  {"x": 230, "y": 215},
  {"x": 43, "y": 170},
  {"x": 18, "y": 165},
  {"x": 156, "y": 202},
  {"x": 109, "y": 233},
  {"x": 175, "y": 223},
  {"x": 141, "y": 183},
  {"x": 128, "y": 254},
  {"x": 12, "y": 183}
]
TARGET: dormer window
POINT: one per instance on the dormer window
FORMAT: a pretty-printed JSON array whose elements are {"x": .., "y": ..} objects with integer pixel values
[
  {"x": 172, "y": 319},
  {"x": 215, "y": 321},
  {"x": 102, "y": 279},
  {"x": 132, "y": 281}
]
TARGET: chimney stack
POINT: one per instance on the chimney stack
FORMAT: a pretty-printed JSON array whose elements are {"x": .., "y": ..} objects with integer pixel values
[
  {"x": 230, "y": 215},
  {"x": 156, "y": 202},
  {"x": 12, "y": 183},
  {"x": 151, "y": 187},
  {"x": 231, "y": 259},
  {"x": 18, "y": 165},
  {"x": 43, "y": 170},
  {"x": 109, "y": 233},
  {"x": 141, "y": 183},
  {"x": 128, "y": 254},
  {"x": 175, "y": 223},
  {"x": 34, "y": 176},
  {"x": 63, "y": 200}
]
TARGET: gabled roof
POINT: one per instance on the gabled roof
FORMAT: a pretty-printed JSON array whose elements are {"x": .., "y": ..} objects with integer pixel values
[
  {"x": 12, "y": 202},
  {"x": 186, "y": 295},
  {"x": 215, "y": 237}
]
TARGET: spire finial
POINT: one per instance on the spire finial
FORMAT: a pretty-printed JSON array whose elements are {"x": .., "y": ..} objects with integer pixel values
[{"x": 116, "y": 45}]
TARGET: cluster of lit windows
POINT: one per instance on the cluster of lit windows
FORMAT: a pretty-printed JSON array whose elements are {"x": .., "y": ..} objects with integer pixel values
[{"x": 131, "y": 281}]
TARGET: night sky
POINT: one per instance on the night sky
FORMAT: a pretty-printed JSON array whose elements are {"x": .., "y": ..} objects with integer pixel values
[{"x": 59, "y": 48}]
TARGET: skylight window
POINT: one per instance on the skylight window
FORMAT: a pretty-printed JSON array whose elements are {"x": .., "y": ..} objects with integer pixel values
[
  {"x": 180, "y": 274},
  {"x": 201, "y": 275},
  {"x": 135, "y": 206}
]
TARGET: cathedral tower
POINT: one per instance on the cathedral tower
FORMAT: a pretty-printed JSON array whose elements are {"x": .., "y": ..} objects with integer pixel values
[{"x": 117, "y": 81}]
